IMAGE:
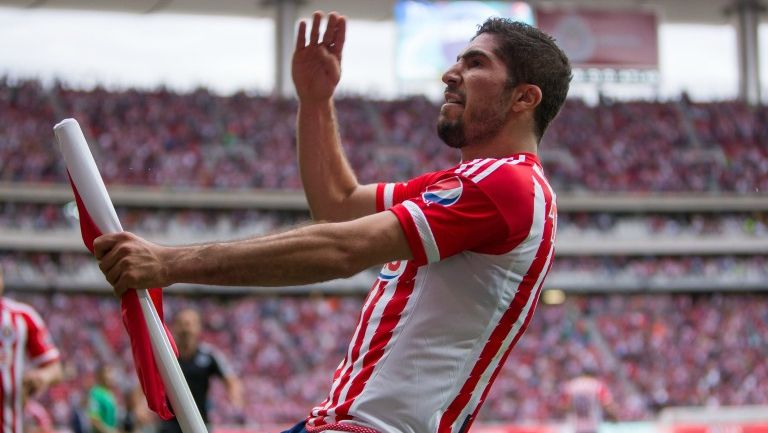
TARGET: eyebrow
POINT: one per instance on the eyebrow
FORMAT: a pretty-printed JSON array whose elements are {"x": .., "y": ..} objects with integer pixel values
[{"x": 473, "y": 53}]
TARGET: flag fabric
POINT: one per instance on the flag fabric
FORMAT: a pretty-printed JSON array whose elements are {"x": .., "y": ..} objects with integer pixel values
[
  {"x": 154, "y": 351},
  {"x": 146, "y": 367}
]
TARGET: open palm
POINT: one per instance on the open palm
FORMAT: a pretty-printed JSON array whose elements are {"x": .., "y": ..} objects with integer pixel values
[{"x": 316, "y": 67}]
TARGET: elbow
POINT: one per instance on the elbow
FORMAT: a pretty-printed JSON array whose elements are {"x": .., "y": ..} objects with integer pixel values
[{"x": 333, "y": 208}]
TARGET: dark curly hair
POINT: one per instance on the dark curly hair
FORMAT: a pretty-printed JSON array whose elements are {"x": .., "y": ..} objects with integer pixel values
[{"x": 532, "y": 57}]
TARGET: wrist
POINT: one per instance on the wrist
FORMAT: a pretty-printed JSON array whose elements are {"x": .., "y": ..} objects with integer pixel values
[
  {"x": 315, "y": 103},
  {"x": 188, "y": 264},
  {"x": 170, "y": 260}
]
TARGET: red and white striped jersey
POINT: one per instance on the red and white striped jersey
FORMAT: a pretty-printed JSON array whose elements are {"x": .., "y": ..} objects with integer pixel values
[
  {"x": 435, "y": 330},
  {"x": 36, "y": 418},
  {"x": 24, "y": 343}
]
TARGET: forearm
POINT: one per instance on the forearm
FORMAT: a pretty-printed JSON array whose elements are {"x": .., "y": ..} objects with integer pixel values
[
  {"x": 234, "y": 392},
  {"x": 326, "y": 174},
  {"x": 51, "y": 373},
  {"x": 310, "y": 254},
  {"x": 300, "y": 256}
]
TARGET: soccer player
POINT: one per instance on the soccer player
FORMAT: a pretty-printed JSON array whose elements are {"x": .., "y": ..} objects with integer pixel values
[
  {"x": 29, "y": 362},
  {"x": 200, "y": 362},
  {"x": 465, "y": 250}
]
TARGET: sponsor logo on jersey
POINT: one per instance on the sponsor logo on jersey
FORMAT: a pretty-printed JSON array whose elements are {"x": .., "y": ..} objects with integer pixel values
[
  {"x": 446, "y": 192},
  {"x": 392, "y": 270}
]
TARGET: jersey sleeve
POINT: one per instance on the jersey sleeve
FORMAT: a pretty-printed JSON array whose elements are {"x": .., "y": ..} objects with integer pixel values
[
  {"x": 40, "y": 348},
  {"x": 390, "y": 194},
  {"x": 447, "y": 217}
]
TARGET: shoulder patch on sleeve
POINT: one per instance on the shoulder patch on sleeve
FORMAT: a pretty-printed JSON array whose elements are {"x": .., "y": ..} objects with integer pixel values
[{"x": 445, "y": 192}]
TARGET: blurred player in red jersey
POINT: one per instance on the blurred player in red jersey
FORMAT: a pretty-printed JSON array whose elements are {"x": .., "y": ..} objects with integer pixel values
[
  {"x": 588, "y": 399},
  {"x": 29, "y": 362},
  {"x": 465, "y": 249}
]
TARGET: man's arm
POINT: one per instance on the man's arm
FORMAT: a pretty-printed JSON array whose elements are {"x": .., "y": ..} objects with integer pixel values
[
  {"x": 37, "y": 380},
  {"x": 304, "y": 255},
  {"x": 234, "y": 391},
  {"x": 330, "y": 185}
]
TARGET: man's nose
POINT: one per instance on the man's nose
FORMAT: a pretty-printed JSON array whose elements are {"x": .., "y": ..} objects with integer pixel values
[{"x": 451, "y": 77}]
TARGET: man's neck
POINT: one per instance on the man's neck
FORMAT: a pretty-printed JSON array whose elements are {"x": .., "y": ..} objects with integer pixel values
[{"x": 499, "y": 148}]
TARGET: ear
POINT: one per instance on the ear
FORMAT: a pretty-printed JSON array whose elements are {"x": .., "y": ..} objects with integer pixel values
[{"x": 525, "y": 97}]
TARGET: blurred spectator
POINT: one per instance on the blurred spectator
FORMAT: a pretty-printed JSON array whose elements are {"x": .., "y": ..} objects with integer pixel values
[{"x": 102, "y": 404}]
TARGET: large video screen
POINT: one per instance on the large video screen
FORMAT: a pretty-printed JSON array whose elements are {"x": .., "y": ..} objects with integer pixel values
[{"x": 431, "y": 33}]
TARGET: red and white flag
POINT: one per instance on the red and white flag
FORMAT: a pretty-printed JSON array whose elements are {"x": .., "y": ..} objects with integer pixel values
[{"x": 98, "y": 216}]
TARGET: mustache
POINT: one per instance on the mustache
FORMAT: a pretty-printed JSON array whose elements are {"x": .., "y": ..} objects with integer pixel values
[{"x": 454, "y": 91}]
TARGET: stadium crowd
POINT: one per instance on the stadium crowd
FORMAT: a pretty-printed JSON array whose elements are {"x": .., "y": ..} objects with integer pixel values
[
  {"x": 200, "y": 140},
  {"x": 285, "y": 351}
]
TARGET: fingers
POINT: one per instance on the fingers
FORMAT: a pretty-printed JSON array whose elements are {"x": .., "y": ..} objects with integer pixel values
[
  {"x": 301, "y": 37},
  {"x": 333, "y": 38},
  {"x": 118, "y": 255},
  {"x": 111, "y": 249},
  {"x": 103, "y": 244},
  {"x": 113, "y": 274},
  {"x": 314, "y": 34},
  {"x": 340, "y": 36},
  {"x": 330, "y": 29}
]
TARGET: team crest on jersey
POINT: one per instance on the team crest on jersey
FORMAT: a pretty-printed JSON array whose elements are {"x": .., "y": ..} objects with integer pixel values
[
  {"x": 392, "y": 270},
  {"x": 446, "y": 192},
  {"x": 7, "y": 335}
]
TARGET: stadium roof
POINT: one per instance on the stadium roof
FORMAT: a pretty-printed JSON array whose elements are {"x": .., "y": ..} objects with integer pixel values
[{"x": 677, "y": 11}]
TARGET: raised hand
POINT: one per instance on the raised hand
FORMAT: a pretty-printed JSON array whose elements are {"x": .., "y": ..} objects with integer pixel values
[{"x": 316, "y": 66}]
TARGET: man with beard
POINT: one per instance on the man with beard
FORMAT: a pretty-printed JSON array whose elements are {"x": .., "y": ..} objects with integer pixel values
[{"x": 465, "y": 249}]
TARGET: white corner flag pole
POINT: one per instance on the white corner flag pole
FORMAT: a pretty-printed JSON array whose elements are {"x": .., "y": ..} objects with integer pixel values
[{"x": 85, "y": 175}]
